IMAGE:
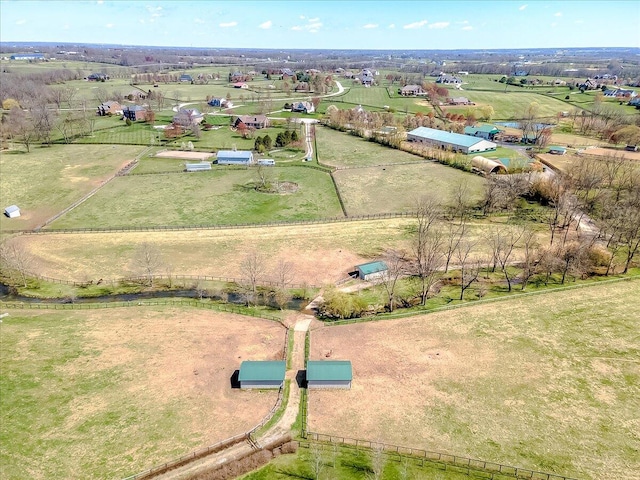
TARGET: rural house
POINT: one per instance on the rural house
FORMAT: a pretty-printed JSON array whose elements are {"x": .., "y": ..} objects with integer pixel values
[
  {"x": 135, "y": 113},
  {"x": 455, "y": 142},
  {"x": 186, "y": 117},
  {"x": 256, "y": 374},
  {"x": 97, "y": 77},
  {"x": 255, "y": 121},
  {"x": 110, "y": 107},
  {"x": 235, "y": 157},
  {"x": 372, "y": 270},
  {"x": 460, "y": 101},
  {"x": 185, "y": 78},
  {"x": 12, "y": 211},
  {"x": 241, "y": 85},
  {"x": 329, "y": 374},
  {"x": 448, "y": 79},
  {"x": 488, "y": 132},
  {"x": 305, "y": 107},
  {"x": 412, "y": 91}
]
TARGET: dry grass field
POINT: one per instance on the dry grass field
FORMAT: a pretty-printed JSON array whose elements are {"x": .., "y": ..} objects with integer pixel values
[
  {"x": 108, "y": 393},
  {"x": 548, "y": 382},
  {"x": 321, "y": 253}
]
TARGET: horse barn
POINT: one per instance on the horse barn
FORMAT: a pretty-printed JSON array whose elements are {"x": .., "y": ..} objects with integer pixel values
[
  {"x": 371, "y": 270},
  {"x": 235, "y": 157},
  {"x": 456, "y": 142},
  {"x": 261, "y": 374},
  {"x": 329, "y": 374}
]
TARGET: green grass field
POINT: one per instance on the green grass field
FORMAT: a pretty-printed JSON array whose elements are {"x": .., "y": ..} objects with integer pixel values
[
  {"x": 549, "y": 382},
  {"x": 512, "y": 103},
  {"x": 108, "y": 393},
  {"x": 377, "y": 189},
  {"x": 64, "y": 174},
  {"x": 218, "y": 197}
]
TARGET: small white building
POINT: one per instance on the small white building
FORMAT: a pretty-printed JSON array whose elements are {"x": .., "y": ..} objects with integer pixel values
[
  {"x": 12, "y": 211},
  {"x": 235, "y": 157},
  {"x": 198, "y": 167},
  {"x": 372, "y": 270}
]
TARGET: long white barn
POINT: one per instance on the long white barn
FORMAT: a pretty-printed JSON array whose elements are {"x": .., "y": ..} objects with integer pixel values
[{"x": 455, "y": 142}]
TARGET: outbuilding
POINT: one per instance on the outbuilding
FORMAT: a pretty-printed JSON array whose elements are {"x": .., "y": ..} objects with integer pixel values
[
  {"x": 261, "y": 374},
  {"x": 329, "y": 374},
  {"x": 198, "y": 167},
  {"x": 557, "y": 150},
  {"x": 488, "y": 132},
  {"x": 12, "y": 211},
  {"x": 486, "y": 166},
  {"x": 455, "y": 142},
  {"x": 235, "y": 157},
  {"x": 372, "y": 270}
]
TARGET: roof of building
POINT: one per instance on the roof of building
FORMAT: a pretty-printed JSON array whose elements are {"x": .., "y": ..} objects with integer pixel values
[
  {"x": 12, "y": 208},
  {"x": 251, "y": 370},
  {"x": 557, "y": 149},
  {"x": 487, "y": 165},
  {"x": 133, "y": 108},
  {"x": 339, "y": 370},
  {"x": 235, "y": 154},
  {"x": 446, "y": 137},
  {"x": 481, "y": 128},
  {"x": 372, "y": 267}
]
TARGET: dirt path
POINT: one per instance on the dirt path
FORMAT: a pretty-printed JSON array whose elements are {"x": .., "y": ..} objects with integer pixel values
[{"x": 279, "y": 430}]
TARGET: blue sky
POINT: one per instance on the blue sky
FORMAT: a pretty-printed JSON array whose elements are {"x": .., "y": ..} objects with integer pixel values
[{"x": 355, "y": 24}]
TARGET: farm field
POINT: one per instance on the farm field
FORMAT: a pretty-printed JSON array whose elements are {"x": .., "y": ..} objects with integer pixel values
[
  {"x": 511, "y": 104},
  {"x": 376, "y": 98},
  {"x": 217, "y": 197},
  {"x": 321, "y": 253},
  {"x": 551, "y": 383},
  {"x": 396, "y": 188},
  {"x": 64, "y": 174},
  {"x": 108, "y": 393}
]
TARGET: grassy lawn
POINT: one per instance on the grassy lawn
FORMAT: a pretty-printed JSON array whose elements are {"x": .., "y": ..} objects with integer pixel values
[
  {"x": 376, "y": 189},
  {"x": 550, "y": 383},
  {"x": 375, "y": 98},
  {"x": 64, "y": 174},
  {"x": 512, "y": 103},
  {"x": 217, "y": 197},
  {"x": 132, "y": 386}
]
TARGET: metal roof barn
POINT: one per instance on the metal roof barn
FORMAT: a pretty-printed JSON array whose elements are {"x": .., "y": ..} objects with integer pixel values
[
  {"x": 448, "y": 140},
  {"x": 371, "y": 270},
  {"x": 261, "y": 374},
  {"x": 197, "y": 167},
  {"x": 234, "y": 157},
  {"x": 329, "y": 374}
]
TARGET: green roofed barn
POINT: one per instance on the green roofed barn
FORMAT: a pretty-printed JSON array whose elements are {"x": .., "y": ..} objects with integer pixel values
[
  {"x": 256, "y": 374},
  {"x": 329, "y": 374},
  {"x": 371, "y": 270}
]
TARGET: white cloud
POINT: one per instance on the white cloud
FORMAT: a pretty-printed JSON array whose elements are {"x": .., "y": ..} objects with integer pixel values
[
  {"x": 109, "y": 25},
  {"x": 302, "y": 17},
  {"x": 266, "y": 25},
  {"x": 314, "y": 20},
  {"x": 523, "y": 7},
  {"x": 419, "y": 24},
  {"x": 464, "y": 22},
  {"x": 199, "y": 20},
  {"x": 468, "y": 27},
  {"x": 439, "y": 25},
  {"x": 21, "y": 22},
  {"x": 554, "y": 24},
  {"x": 297, "y": 28},
  {"x": 100, "y": 2},
  {"x": 392, "y": 25},
  {"x": 311, "y": 27},
  {"x": 370, "y": 25},
  {"x": 228, "y": 24},
  {"x": 558, "y": 14}
]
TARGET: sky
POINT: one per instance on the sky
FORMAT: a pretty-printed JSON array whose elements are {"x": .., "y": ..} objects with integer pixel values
[{"x": 332, "y": 24}]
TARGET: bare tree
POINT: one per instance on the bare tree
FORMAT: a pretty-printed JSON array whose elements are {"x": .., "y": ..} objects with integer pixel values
[
  {"x": 377, "y": 461},
  {"x": 428, "y": 245},
  {"x": 284, "y": 275},
  {"x": 21, "y": 128},
  {"x": 469, "y": 269},
  {"x": 511, "y": 237},
  {"x": 148, "y": 260},
  {"x": 317, "y": 462},
  {"x": 252, "y": 269},
  {"x": 529, "y": 250},
  {"x": 397, "y": 266},
  {"x": 455, "y": 234},
  {"x": 16, "y": 259}
]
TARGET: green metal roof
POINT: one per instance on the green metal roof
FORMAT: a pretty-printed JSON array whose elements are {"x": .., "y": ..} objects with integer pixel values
[
  {"x": 481, "y": 128},
  {"x": 557, "y": 149},
  {"x": 372, "y": 267},
  {"x": 251, "y": 371},
  {"x": 329, "y": 370}
]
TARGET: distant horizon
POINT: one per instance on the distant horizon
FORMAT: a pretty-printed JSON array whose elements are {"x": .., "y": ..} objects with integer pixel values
[{"x": 325, "y": 24}]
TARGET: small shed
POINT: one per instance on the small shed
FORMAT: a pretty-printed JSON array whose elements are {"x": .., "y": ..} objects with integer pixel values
[
  {"x": 371, "y": 270},
  {"x": 557, "y": 150},
  {"x": 329, "y": 374},
  {"x": 234, "y": 157},
  {"x": 12, "y": 211},
  {"x": 267, "y": 162},
  {"x": 198, "y": 167},
  {"x": 261, "y": 374},
  {"x": 486, "y": 166}
]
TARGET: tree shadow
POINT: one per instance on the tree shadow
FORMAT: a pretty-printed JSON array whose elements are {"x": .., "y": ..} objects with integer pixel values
[{"x": 234, "y": 379}]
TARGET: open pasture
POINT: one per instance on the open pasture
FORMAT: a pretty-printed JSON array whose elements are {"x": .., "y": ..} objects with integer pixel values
[
  {"x": 548, "y": 382},
  {"x": 322, "y": 253},
  {"x": 218, "y": 197},
  {"x": 375, "y": 98},
  {"x": 396, "y": 188},
  {"x": 108, "y": 393},
  {"x": 48, "y": 179},
  {"x": 512, "y": 104},
  {"x": 339, "y": 149}
]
